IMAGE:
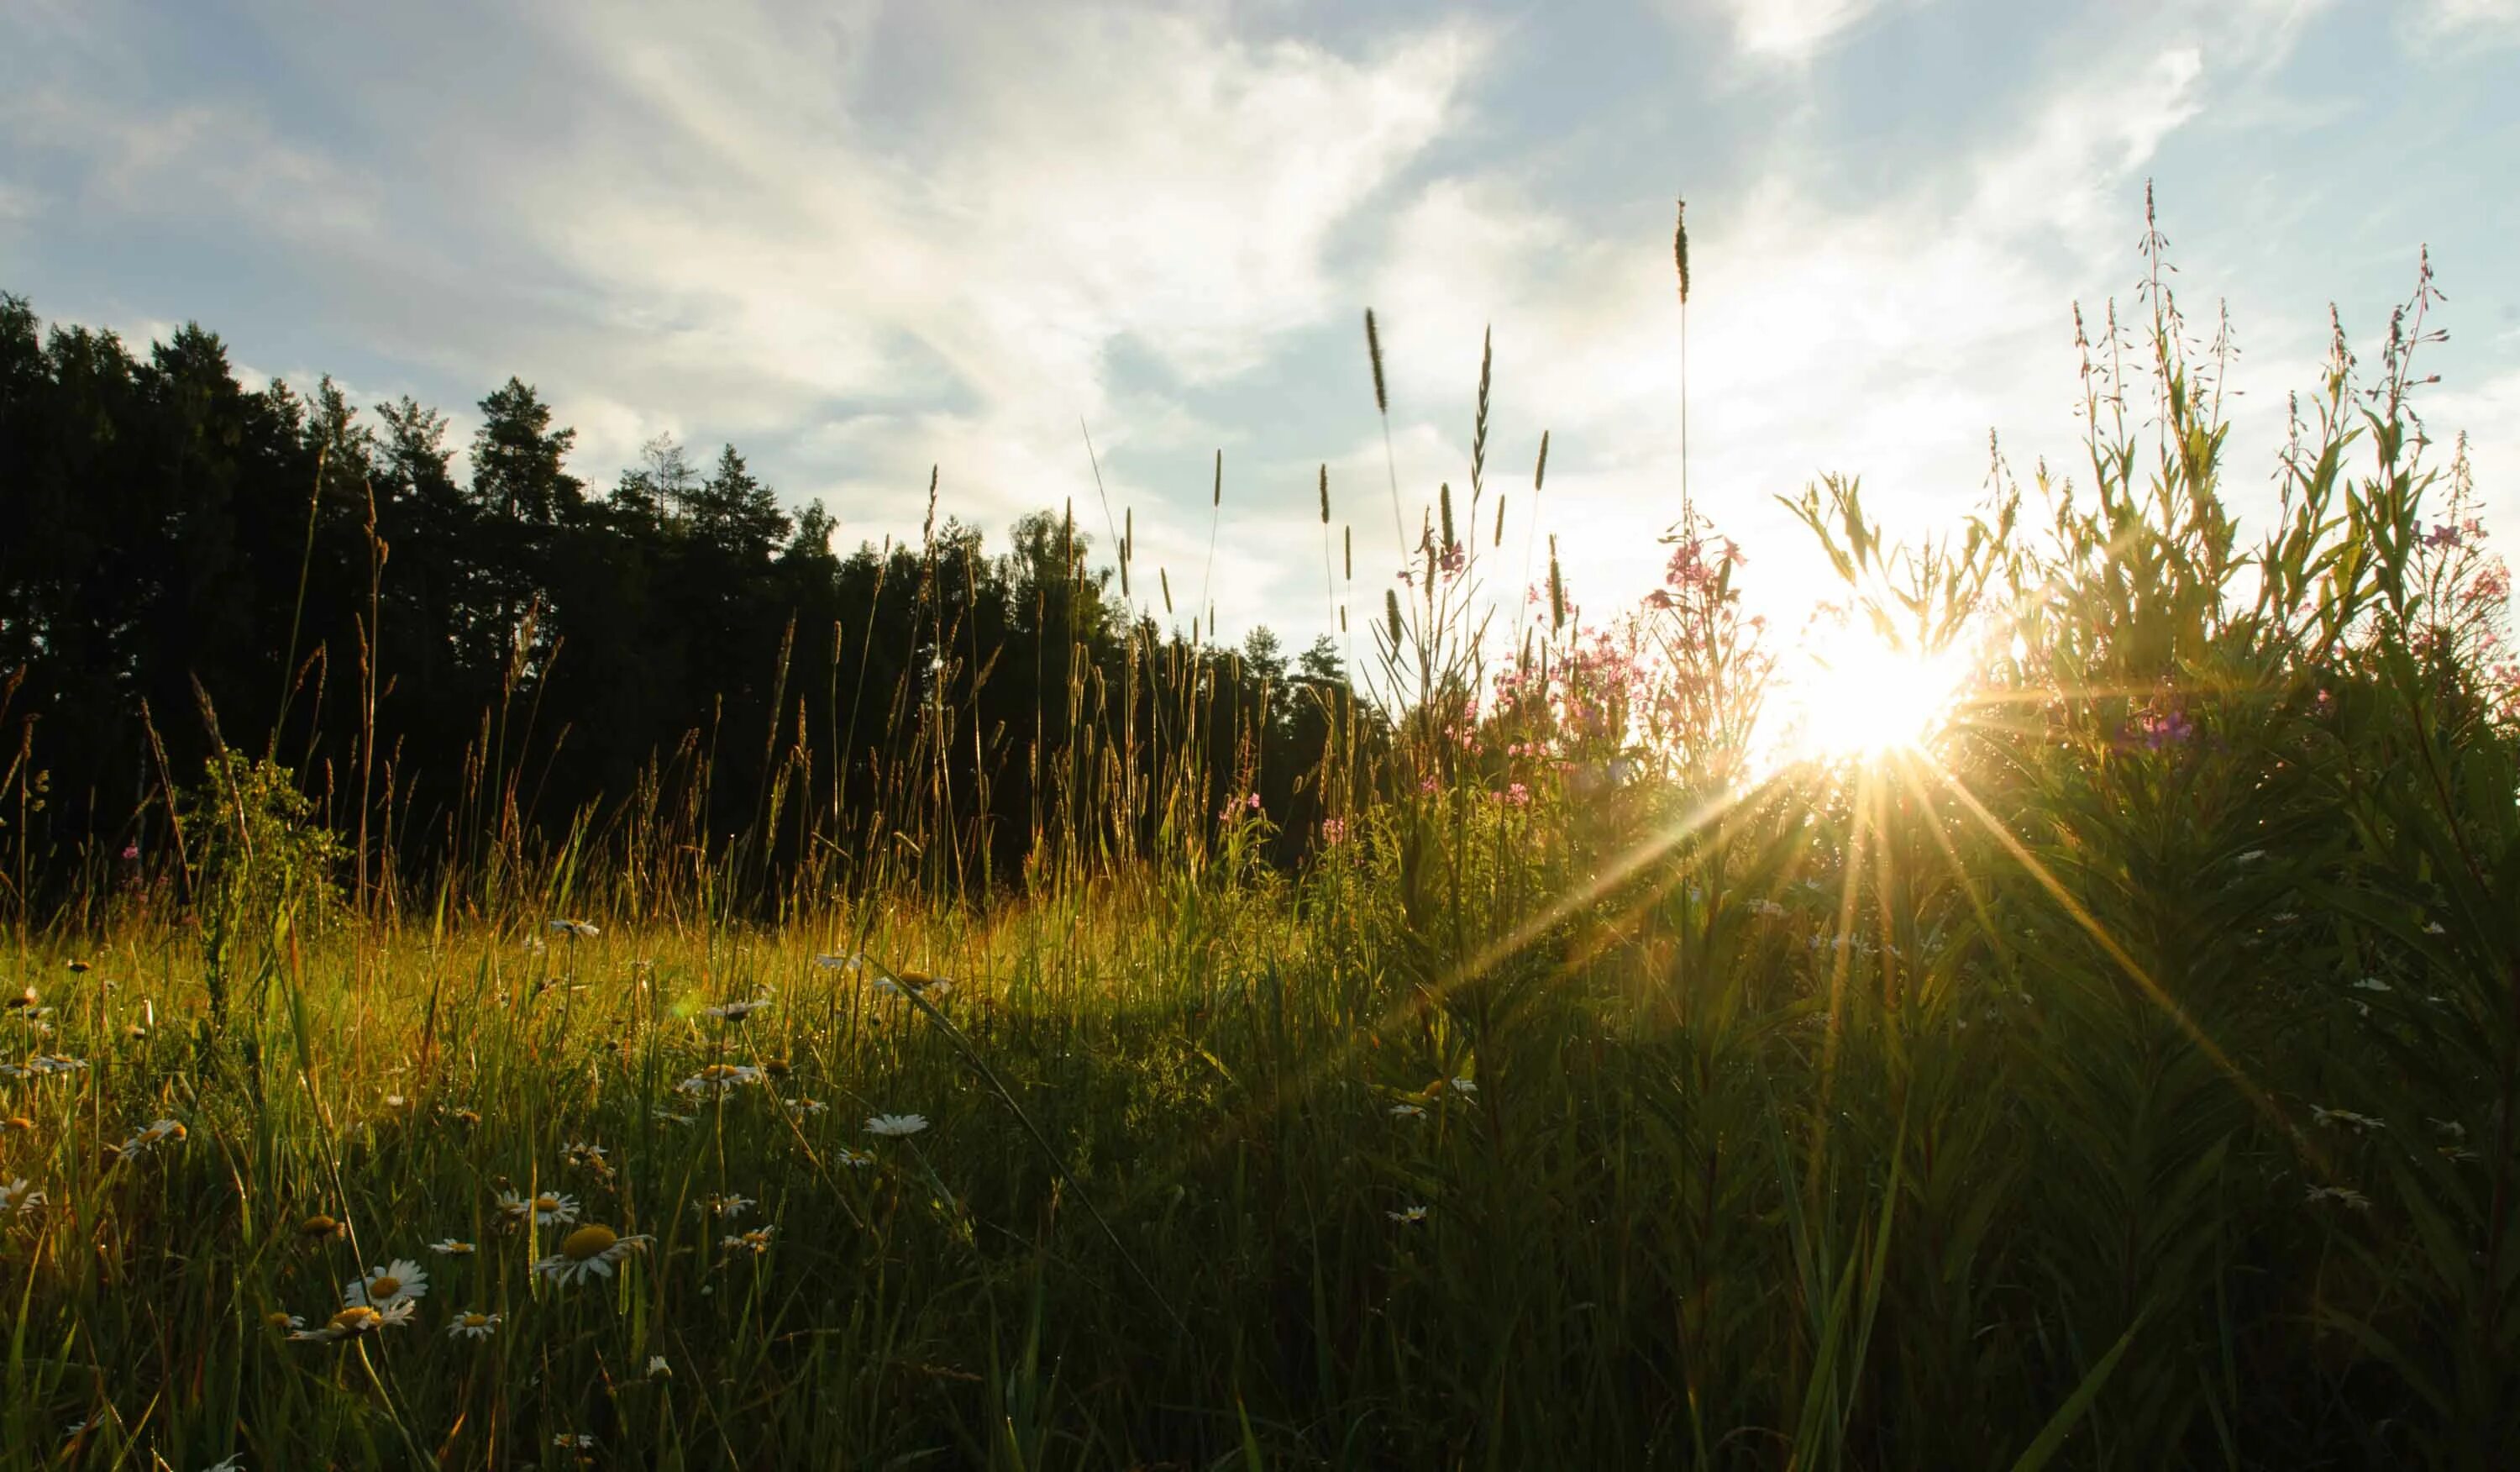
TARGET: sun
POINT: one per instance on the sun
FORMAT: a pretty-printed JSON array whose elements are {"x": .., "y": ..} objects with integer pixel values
[{"x": 1852, "y": 697}]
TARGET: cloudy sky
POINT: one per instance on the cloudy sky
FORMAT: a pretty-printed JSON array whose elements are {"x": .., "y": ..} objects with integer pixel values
[{"x": 859, "y": 238}]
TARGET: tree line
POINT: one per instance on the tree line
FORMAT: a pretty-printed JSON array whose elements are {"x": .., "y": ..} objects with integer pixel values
[{"x": 448, "y": 661}]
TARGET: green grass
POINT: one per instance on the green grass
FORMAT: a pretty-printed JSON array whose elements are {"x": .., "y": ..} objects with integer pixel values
[{"x": 2127, "y": 1083}]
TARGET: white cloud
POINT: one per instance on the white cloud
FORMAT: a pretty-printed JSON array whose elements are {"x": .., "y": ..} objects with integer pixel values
[
  {"x": 2467, "y": 22},
  {"x": 1790, "y": 31}
]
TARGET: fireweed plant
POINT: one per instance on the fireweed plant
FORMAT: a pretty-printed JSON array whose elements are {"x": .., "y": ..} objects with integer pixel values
[{"x": 2116, "y": 1070}]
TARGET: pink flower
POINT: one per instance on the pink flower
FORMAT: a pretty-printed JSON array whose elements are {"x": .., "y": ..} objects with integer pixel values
[
  {"x": 1334, "y": 831},
  {"x": 1515, "y": 794},
  {"x": 131, "y": 851}
]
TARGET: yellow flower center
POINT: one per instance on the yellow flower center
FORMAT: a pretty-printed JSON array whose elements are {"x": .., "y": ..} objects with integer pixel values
[
  {"x": 356, "y": 1320},
  {"x": 385, "y": 1285},
  {"x": 587, "y": 1242},
  {"x": 319, "y": 1227},
  {"x": 476, "y": 1320},
  {"x": 276, "y": 1321},
  {"x": 546, "y": 1201}
]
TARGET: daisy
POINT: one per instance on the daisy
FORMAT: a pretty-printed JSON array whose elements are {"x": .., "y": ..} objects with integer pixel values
[
  {"x": 1408, "y": 1111},
  {"x": 591, "y": 1250},
  {"x": 730, "y": 1206},
  {"x": 399, "y": 1281},
  {"x": 1408, "y": 1216},
  {"x": 26, "y": 999},
  {"x": 800, "y": 1106},
  {"x": 317, "y": 1227},
  {"x": 719, "y": 1078},
  {"x": 473, "y": 1325},
  {"x": 896, "y": 1125},
  {"x": 19, "y": 1199},
  {"x": 756, "y": 1241},
  {"x": 451, "y": 1248},
  {"x": 658, "y": 1369},
  {"x": 150, "y": 1137},
  {"x": 284, "y": 1321},
  {"x": 1464, "y": 1084},
  {"x": 549, "y": 1209},
  {"x": 358, "y": 1319},
  {"x": 840, "y": 963},
  {"x": 2370, "y": 984},
  {"x": 735, "y": 1011},
  {"x": 587, "y": 1155},
  {"x": 857, "y": 1158},
  {"x": 580, "y": 1441},
  {"x": 577, "y": 928},
  {"x": 233, "y": 1462}
]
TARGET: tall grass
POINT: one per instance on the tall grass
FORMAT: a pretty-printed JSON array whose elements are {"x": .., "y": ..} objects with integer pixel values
[{"x": 2126, "y": 1082}]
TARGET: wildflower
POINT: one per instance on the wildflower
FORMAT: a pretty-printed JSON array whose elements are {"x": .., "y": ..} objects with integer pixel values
[
  {"x": 735, "y": 1011},
  {"x": 1463, "y": 1083},
  {"x": 840, "y": 963},
  {"x": 2451, "y": 1128},
  {"x": 451, "y": 1246},
  {"x": 1408, "y": 1111},
  {"x": 589, "y": 1251},
  {"x": 284, "y": 1321},
  {"x": 896, "y": 1125},
  {"x": 17, "y": 1199},
  {"x": 467, "y": 1117},
  {"x": 802, "y": 1107},
  {"x": 1515, "y": 794},
  {"x": 2370, "y": 984},
  {"x": 24, "y": 1000},
  {"x": 1334, "y": 831},
  {"x": 577, "y": 928},
  {"x": 729, "y": 1206},
  {"x": 2250, "y": 858},
  {"x": 579, "y": 1441},
  {"x": 150, "y": 1136},
  {"x": 472, "y": 1324},
  {"x": 2345, "y": 1196},
  {"x": 397, "y": 1101},
  {"x": 756, "y": 1241},
  {"x": 358, "y": 1319},
  {"x": 719, "y": 1078},
  {"x": 549, "y": 1209},
  {"x": 399, "y": 1281},
  {"x": 318, "y": 1226},
  {"x": 44, "y": 1066},
  {"x": 1407, "y": 1216},
  {"x": 776, "y": 1068},
  {"x": 587, "y": 1156},
  {"x": 658, "y": 1369},
  {"x": 2435, "y": 928},
  {"x": 2320, "y": 1116},
  {"x": 857, "y": 1158},
  {"x": 671, "y": 1118},
  {"x": 78, "y": 966}
]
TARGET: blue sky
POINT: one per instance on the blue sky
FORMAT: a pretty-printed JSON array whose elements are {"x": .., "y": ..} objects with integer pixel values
[{"x": 859, "y": 238}]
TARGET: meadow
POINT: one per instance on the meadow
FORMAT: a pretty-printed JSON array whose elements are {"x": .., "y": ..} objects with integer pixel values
[{"x": 2092, "y": 1044}]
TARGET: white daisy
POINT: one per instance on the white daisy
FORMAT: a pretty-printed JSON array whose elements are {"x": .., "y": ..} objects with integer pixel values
[
  {"x": 728, "y": 1206},
  {"x": 1463, "y": 1083},
  {"x": 578, "y": 1440},
  {"x": 658, "y": 1369},
  {"x": 1408, "y": 1111},
  {"x": 234, "y": 1461},
  {"x": 590, "y": 1156},
  {"x": 577, "y": 928},
  {"x": 1408, "y": 1216},
  {"x": 719, "y": 1078},
  {"x": 451, "y": 1246},
  {"x": 358, "y": 1319},
  {"x": 591, "y": 1250},
  {"x": 398, "y": 1281},
  {"x": 800, "y": 1106},
  {"x": 840, "y": 963},
  {"x": 896, "y": 1125},
  {"x": 150, "y": 1136},
  {"x": 2371, "y": 983},
  {"x": 473, "y": 1324},
  {"x": 550, "y": 1209},
  {"x": 756, "y": 1241},
  {"x": 860, "y": 1158},
  {"x": 735, "y": 1011},
  {"x": 19, "y": 1199}
]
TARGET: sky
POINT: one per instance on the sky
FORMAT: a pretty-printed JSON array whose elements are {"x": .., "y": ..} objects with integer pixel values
[{"x": 860, "y": 240}]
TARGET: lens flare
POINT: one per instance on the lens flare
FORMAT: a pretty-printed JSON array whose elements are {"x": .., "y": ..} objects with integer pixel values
[{"x": 1852, "y": 697}]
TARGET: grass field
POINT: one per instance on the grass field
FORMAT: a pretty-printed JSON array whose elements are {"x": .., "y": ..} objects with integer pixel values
[{"x": 2109, "y": 1062}]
